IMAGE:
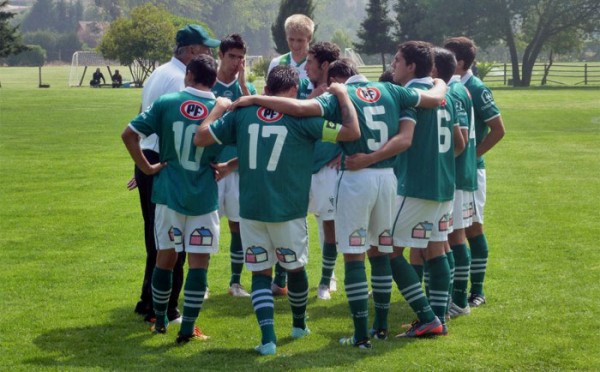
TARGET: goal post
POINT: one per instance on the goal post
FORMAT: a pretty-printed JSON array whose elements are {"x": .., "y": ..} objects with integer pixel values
[
  {"x": 80, "y": 62},
  {"x": 353, "y": 56}
]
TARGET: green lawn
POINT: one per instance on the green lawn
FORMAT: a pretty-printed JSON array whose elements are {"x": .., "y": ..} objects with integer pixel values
[{"x": 71, "y": 249}]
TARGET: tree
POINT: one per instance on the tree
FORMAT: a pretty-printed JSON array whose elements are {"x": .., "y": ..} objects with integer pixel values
[
  {"x": 286, "y": 9},
  {"x": 41, "y": 16},
  {"x": 146, "y": 38},
  {"x": 10, "y": 41},
  {"x": 374, "y": 31},
  {"x": 341, "y": 39}
]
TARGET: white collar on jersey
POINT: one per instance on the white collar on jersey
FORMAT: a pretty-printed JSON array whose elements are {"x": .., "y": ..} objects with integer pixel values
[
  {"x": 228, "y": 85},
  {"x": 426, "y": 80},
  {"x": 454, "y": 79},
  {"x": 466, "y": 76},
  {"x": 357, "y": 79},
  {"x": 199, "y": 93}
]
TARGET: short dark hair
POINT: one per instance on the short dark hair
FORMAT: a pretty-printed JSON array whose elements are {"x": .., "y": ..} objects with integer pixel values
[
  {"x": 387, "y": 77},
  {"x": 204, "y": 70},
  {"x": 421, "y": 54},
  {"x": 445, "y": 63},
  {"x": 324, "y": 51},
  {"x": 342, "y": 68},
  {"x": 232, "y": 41},
  {"x": 463, "y": 48},
  {"x": 281, "y": 79}
]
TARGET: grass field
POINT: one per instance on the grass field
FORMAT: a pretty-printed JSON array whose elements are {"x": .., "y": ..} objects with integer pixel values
[{"x": 71, "y": 250}]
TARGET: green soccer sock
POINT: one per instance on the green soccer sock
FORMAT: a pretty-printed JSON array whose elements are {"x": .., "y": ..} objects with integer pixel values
[
  {"x": 426, "y": 278},
  {"x": 451, "y": 264},
  {"x": 409, "y": 284},
  {"x": 461, "y": 274},
  {"x": 418, "y": 269},
  {"x": 381, "y": 282},
  {"x": 162, "y": 282},
  {"x": 298, "y": 297},
  {"x": 193, "y": 298},
  {"x": 280, "y": 276},
  {"x": 479, "y": 257},
  {"x": 357, "y": 292},
  {"x": 329, "y": 257},
  {"x": 264, "y": 307},
  {"x": 236, "y": 254},
  {"x": 439, "y": 285}
]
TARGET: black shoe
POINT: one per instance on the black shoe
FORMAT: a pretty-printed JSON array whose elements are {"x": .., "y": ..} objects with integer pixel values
[
  {"x": 143, "y": 308},
  {"x": 476, "y": 300},
  {"x": 150, "y": 317}
]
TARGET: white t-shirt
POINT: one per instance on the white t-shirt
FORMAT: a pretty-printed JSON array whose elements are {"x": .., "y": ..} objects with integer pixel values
[
  {"x": 286, "y": 59},
  {"x": 167, "y": 78}
]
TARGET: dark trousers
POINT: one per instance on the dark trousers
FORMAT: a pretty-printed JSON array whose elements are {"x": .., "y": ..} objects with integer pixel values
[{"x": 144, "y": 186}]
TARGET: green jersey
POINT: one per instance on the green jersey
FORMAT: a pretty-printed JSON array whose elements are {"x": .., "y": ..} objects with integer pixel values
[
  {"x": 275, "y": 159},
  {"x": 187, "y": 184},
  {"x": 466, "y": 162},
  {"x": 426, "y": 169},
  {"x": 232, "y": 91},
  {"x": 305, "y": 89},
  {"x": 379, "y": 107},
  {"x": 484, "y": 106}
]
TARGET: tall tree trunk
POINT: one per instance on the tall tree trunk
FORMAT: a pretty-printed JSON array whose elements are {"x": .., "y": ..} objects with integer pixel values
[
  {"x": 383, "y": 61},
  {"x": 512, "y": 47}
]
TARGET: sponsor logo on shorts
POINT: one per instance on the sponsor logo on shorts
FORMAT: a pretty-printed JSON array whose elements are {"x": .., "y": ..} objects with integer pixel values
[
  {"x": 385, "y": 238},
  {"x": 256, "y": 255},
  {"x": 445, "y": 222},
  {"x": 285, "y": 255},
  {"x": 358, "y": 238},
  {"x": 422, "y": 230},
  {"x": 175, "y": 235},
  {"x": 267, "y": 115},
  {"x": 368, "y": 94},
  {"x": 193, "y": 110},
  {"x": 201, "y": 237}
]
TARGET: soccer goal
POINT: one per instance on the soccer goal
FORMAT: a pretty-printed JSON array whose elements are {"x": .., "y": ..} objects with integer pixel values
[
  {"x": 353, "y": 56},
  {"x": 80, "y": 62}
]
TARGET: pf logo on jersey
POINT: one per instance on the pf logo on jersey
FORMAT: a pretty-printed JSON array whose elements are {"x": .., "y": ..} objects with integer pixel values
[
  {"x": 267, "y": 115},
  {"x": 368, "y": 94},
  {"x": 193, "y": 110}
]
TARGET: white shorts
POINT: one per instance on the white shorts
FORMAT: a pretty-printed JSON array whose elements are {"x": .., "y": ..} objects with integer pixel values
[
  {"x": 364, "y": 211},
  {"x": 464, "y": 209},
  {"x": 419, "y": 221},
  {"x": 192, "y": 234},
  {"x": 480, "y": 195},
  {"x": 266, "y": 243},
  {"x": 229, "y": 197},
  {"x": 321, "y": 201}
]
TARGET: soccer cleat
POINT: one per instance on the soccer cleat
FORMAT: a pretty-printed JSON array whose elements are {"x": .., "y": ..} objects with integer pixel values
[
  {"x": 279, "y": 291},
  {"x": 174, "y": 316},
  {"x": 266, "y": 349},
  {"x": 420, "y": 329},
  {"x": 351, "y": 341},
  {"x": 323, "y": 292},
  {"x": 236, "y": 290},
  {"x": 455, "y": 311},
  {"x": 379, "y": 334},
  {"x": 299, "y": 332},
  {"x": 476, "y": 300},
  {"x": 159, "y": 331},
  {"x": 333, "y": 284},
  {"x": 444, "y": 330},
  {"x": 197, "y": 335},
  {"x": 206, "y": 294}
]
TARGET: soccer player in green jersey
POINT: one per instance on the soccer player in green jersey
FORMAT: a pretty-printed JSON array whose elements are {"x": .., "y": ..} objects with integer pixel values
[
  {"x": 231, "y": 83},
  {"x": 185, "y": 191},
  {"x": 489, "y": 130},
  {"x": 365, "y": 197},
  {"x": 299, "y": 31},
  {"x": 275, "y": 163},
  {"x": 465, "y": 181}
]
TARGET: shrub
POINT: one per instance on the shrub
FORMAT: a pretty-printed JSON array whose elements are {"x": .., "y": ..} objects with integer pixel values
[{"x": 35, "y": 56}]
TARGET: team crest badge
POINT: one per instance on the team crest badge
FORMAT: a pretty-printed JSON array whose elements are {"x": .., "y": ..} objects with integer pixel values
[
  {"x": 268, "y": 116},
  {"x": 193, "y": 110},
  {"x": 422, "y": 230},
  {"x": 256, "y": 255},
  {"x": 201, "y": 237},
  {"x": 368, "y": 94},
  {"x": 285, "y": 255}
]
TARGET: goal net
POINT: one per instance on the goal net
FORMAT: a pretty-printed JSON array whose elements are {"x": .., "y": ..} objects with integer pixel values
[
  {"x": 79, "y": 65},
  {"x": 353, "y": 56}
]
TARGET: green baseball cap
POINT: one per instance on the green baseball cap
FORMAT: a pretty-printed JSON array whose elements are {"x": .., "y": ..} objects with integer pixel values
[{"x": 195, "y": 34}]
